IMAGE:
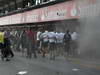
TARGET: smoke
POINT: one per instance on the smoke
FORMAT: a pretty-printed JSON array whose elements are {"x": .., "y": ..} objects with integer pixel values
[
  {"x": 89, "y": 43},
  {"x": 62, "y": 26}
]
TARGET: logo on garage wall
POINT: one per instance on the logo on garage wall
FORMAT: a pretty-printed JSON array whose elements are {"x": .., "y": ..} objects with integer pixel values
[
  {"x": 75, "y": 11},
  {"x": 53, "y": 15}
]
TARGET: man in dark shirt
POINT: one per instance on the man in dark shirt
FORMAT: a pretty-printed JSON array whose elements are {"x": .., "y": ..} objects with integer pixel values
[
  {"x": 31, "y": 43},
  {"x": 67, "y": 40}
]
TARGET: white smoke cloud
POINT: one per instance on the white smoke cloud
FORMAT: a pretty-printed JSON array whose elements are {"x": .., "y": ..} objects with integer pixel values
[{"x": 90, "y": 25}]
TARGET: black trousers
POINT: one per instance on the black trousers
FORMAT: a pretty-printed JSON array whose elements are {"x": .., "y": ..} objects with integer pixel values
[
  {"x": 6, "y": 51},
  {"x": 67, "y": 47}
]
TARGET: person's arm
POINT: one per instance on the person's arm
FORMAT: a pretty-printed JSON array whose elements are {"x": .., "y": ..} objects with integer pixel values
[{"x": 64, "y": 38}]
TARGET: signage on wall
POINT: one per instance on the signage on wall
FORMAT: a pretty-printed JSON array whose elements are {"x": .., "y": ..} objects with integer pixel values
[
  {"x": 61, "y": 11},
  {"x": 75, "y": 11},
  {"x": 54, "y": 15}
]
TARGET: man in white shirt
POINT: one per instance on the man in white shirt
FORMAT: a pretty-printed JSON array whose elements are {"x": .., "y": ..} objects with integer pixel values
[
  {"x": 38, "y": 33},
  {"x": 52, "y": 37},
  {"x": 52, "y": 40},
  {"x": 38, "y": 41},
  {"x": 59, "y": 42},
  {"x": 74, "y": 43},
  {"x": 74, "y": 36},
  {"x": 45, "y": 41},
  {"x": 59, "y": 37},
  {"x": 45, "y": 36}
]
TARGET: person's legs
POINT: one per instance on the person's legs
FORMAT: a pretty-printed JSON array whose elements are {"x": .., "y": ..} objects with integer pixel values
[
  {"x": 50, "y": 49},
  {"x": 38, "y": 46},
  {"x": 30, "y": 50},
  {"x": 2, "y": 54},
  {"x": 10, "y": 52},
  {"x": 45, "y": 48},
  {"x": 34, "y": 50},
  {"x": 67, "y": 48},
  {"x": 42, "y": 48},
  {"x": 59, "y": 49},
  {"x": 53, "y": 51},
  {"x": 76, "y": 48},
  {"x": 6, "y": 53}
]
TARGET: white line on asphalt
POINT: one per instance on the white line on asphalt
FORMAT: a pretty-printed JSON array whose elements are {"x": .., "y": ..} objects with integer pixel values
[
  {"x": 75, "y": 69},
  {"x": 22, "y": 72}
]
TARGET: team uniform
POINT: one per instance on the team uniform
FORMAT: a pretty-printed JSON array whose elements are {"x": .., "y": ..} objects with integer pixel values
[
  {"x": 44, "y": 40},
  {"x": 59, "y": 43},
  {"x": 74, "y": 43},
  {"x": 38, "y": 40},
  {"x": 67, "y": 42},
  {"x": 52, "y": 41}
]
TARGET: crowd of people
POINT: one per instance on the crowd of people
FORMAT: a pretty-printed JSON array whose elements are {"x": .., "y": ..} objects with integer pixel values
[
  {"x": 41, "y": 42},
  {"x": 57, "y": 43}
]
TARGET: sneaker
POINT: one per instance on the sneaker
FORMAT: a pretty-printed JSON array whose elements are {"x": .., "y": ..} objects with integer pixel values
[{"x": 7, "y": 59}]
